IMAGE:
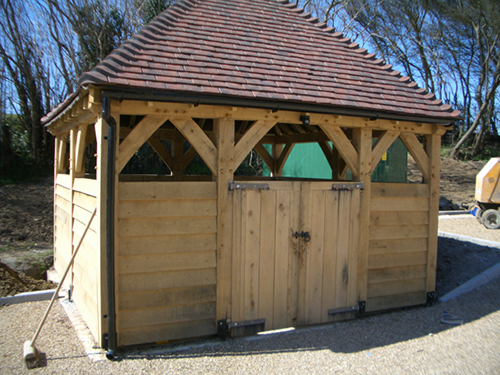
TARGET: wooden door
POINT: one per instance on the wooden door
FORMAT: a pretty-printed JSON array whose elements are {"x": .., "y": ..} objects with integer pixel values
[
  {"x": 265, "y": 254},
  {"x": 328, "y": 260},
  {"x": 283, "y": 277}
]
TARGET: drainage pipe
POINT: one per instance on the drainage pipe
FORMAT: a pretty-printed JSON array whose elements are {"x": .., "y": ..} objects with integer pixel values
[{"x": 110, "y": 226}]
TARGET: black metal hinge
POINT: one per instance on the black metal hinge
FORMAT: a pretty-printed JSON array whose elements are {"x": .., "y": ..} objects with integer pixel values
[
  {"x": 348, "y": 185},
  {"x": 238, "y": 185}
]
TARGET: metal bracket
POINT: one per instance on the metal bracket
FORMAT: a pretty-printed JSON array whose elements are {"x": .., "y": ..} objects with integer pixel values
[
  {"x": 348, "y": 185},
  {"x": 362, "y": 307},
  {"x": 305, "y": 235},
  {"x": 430, "y": 298},
  {"x": 238, "y": 185},
  {"x": 342, "y": 310},
  {"x": 246, "y": 323},
  {"x": 223, "y": 328}
]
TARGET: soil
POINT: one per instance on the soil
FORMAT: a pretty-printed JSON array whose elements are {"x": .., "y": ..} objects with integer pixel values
[{"x": 26, "y": 222}]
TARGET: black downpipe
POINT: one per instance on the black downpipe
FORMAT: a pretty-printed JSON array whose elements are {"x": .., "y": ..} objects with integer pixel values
[{"x": 110, "y": 226}]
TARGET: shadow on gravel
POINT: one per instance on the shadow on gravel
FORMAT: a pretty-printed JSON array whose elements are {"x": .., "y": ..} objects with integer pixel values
[
  {"x": 457, "y": 262},
  {"x": 460, "y": 261}
]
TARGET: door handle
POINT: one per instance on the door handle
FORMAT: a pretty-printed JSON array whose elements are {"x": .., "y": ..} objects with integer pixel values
[{"x": 305, "y": 235}]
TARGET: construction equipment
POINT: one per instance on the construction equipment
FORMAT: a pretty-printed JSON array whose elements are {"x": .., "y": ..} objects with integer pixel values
[{"x": 487, "y": 211}]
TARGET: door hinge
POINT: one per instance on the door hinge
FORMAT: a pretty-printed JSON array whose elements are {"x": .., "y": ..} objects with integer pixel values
[
  {"x": 227, "y": 328},
  {"x": 342, "y": 310},
  {"x": 348, "y": 185},
  {"x": 238, "y": 185}
]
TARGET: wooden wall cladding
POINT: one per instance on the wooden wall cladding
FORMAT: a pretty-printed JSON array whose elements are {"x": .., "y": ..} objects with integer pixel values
[
  {"x": 166, "y": 260},
  {"x": 399, "y": 231}
]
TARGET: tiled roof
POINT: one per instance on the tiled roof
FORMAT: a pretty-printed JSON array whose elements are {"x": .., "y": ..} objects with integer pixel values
[{"x": 260, "y": 49}]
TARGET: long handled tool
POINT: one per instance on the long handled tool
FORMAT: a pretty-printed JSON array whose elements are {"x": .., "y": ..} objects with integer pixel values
[{"x": 30, "y": 352}]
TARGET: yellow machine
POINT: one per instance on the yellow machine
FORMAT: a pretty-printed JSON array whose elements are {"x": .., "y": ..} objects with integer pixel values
[{"x": 488, "y": 195}]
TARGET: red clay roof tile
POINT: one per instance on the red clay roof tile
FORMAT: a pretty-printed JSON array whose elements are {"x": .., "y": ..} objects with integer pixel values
[{"x": 264, "y": 49}]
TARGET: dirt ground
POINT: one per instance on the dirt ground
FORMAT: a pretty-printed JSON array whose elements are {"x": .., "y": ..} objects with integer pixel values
[{"x": 26, "y": 219}]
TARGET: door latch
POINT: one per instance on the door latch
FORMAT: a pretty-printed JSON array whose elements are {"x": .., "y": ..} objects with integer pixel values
[{"x": 304, "y": 235}]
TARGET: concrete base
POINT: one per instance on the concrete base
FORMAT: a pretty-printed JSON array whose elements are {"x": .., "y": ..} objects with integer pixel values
[{"x": 41, "y": 295}]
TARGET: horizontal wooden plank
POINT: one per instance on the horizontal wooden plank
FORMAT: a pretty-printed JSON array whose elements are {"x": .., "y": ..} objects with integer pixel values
[
  {"x": 63, "y": 180},
  {"x": 63, "y": 204},
  {"x": 410, "y": 245},
  {"x": 86, "y": 276},
  {"x": 385, "y": 189},
  {"x": 399, "y": 204},
  {"x": 88, "y": 257},
  {"x": 83, "y": 217},
  {"x": 86, "y": 186},
  {"x": 387, "y": 232},
  {"x": 87, "y": 202},
  {"x": 395, "y": 274},
  {"x": 86, "y": 305},
  {"x": 166, "y": 297},
  {"x": 174, "y": 331},
  {"x": 166, "y": 226},
  {"x": 166, "y": 244},
  {"x": 397, "y": 260},
  {"x": 63, "y": 192},
  {"x": 166, "y": 262},
  {"x": 399, "y": 218},
  {"x": 156, "y": 178},
  {"x": 167, "y": 208},
  {"x": 90, "y": 236},
  {"x": 166, "y": 315},
  {"x": 62, "y": 215},
  {"x": 396, "y": 287},
  {"x": 166, "y": 190},
  {"x": 393, "y": 302},
  {"x": 166, "y": 280},
  {"x": 61, "y": 228}
]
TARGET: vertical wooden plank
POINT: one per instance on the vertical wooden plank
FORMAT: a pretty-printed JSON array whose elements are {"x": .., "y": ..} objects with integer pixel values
[
  {"x": 62, "y": 159},
  {"x": 266, "y": 258},
  {"x": 55, "y": 245},
  {"x": 282, "y": 250},
  {"x": 73, "y": 134},
  {"x": 293, "y": 256},
  {"x": 304, "y": 264},
  {"x": 277, "y": 149},
  {"x": 433, "y": 148},
  {"x": 237, "y": 258},
  {"x": 116, "y": 250},
  {"x": 330, "y": 253},
  {"x": 101, "y": 132},
  {"x": 315, "y": 257},
  {"x": 80, "y": 151},
  {"x": 342, "y": 261},
  {"x": 353, "y": 248},
  {"x": 252, "y": 255},
  {"x": 362, "y": 139},
  {"x": 178, "y": 153},
  {"x": 242, "y": 265},
  {"x": 224, "y": 137}
]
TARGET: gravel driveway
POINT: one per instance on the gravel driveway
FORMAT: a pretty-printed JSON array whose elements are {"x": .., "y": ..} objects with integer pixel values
[{"x": 401, "y": 342}]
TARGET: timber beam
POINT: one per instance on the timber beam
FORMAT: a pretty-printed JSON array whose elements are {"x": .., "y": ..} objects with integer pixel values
[{"x": 137, "y": 107}]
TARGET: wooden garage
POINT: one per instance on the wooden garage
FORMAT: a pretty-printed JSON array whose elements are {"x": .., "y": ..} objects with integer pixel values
[{"x": 177, "y": 255}]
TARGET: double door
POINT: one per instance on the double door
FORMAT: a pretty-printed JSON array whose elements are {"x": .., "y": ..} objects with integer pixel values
[{"x": 294, "y": 252}]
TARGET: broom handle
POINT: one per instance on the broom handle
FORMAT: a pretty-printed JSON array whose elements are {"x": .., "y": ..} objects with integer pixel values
[{"x": 56, "y": 293}]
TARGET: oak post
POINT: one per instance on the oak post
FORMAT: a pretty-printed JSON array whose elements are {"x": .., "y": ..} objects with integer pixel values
[
  {"x": 177, "y": 153},
  {"x": 433, "y": 148},
  {"x": 362, "y": 140},
  {"x": 224, "y": 141},
  {"x": 101, "y": 132}
]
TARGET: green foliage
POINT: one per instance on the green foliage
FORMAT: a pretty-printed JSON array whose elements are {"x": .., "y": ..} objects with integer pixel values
[
  {"x": 149, "y": 9},
  {"x": 100, "y": 29}
]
